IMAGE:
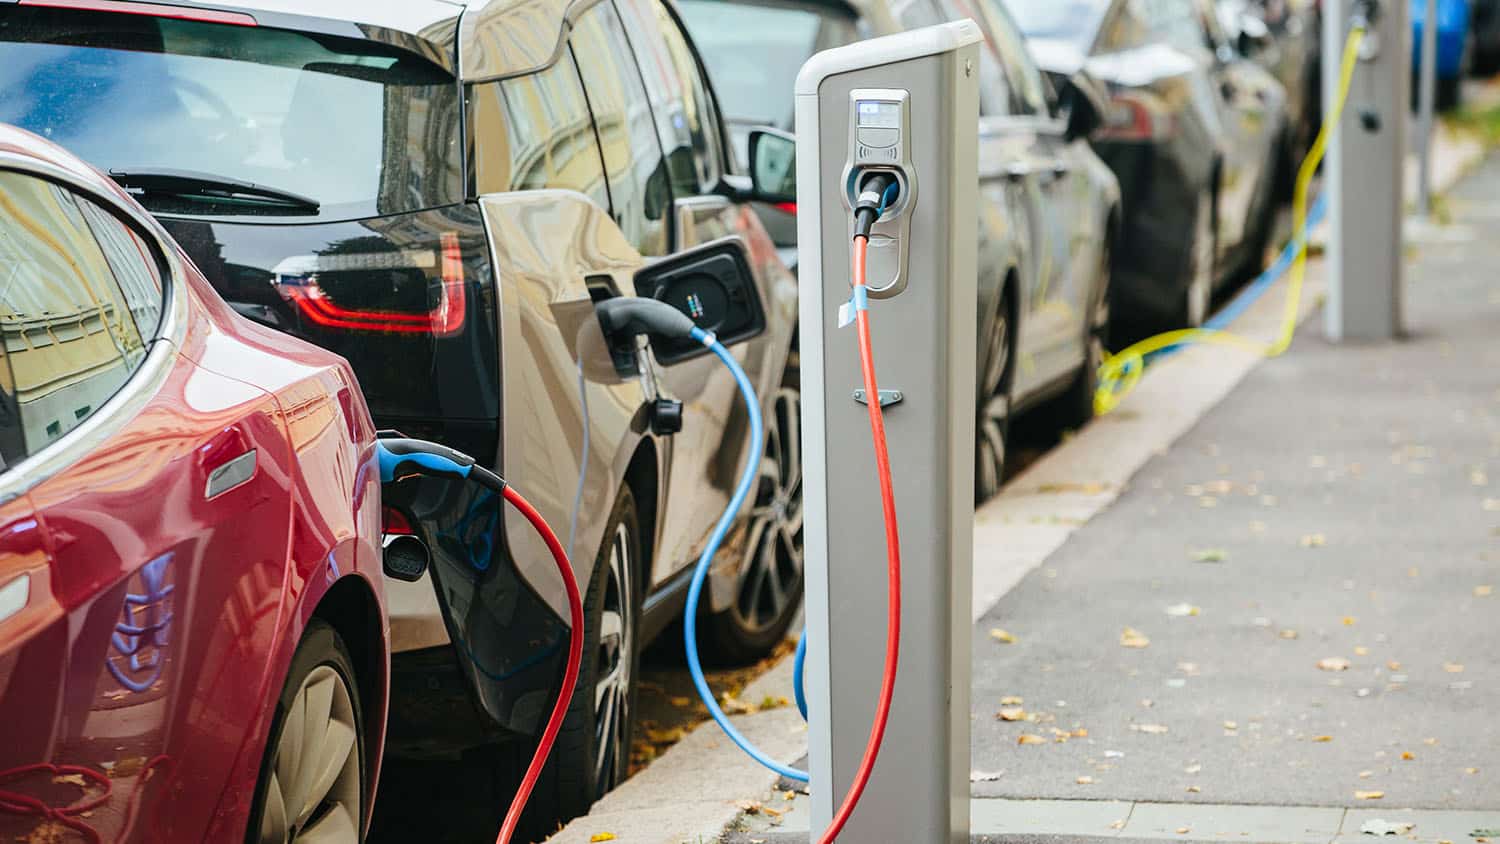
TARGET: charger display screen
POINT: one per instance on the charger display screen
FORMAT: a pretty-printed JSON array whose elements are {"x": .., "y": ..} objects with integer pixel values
[{"x": 879, "y": 114}]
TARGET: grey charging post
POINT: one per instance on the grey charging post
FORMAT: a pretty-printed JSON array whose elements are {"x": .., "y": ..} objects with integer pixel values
[{"x": 906, "y": 104}]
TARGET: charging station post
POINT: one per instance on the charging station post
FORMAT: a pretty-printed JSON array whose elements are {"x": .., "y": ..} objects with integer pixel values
[
  {"x": 905, "y": 105},
  {"x": 1364, "y": 171}
]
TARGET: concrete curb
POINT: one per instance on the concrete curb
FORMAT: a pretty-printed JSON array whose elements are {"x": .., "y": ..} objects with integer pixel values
[{"x": 694, "y": 792}]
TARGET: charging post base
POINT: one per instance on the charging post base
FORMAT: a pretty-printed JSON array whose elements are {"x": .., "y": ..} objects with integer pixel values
[{"x": 924, "y": 330}]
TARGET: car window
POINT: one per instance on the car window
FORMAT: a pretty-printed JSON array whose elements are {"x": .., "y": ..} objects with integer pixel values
[
  {"x": 1020, "y": 70},
  {"x": 535, "y": 132},
  {"x": 134, "y": 263},
  {"x": 753, "y": 51},
  {"x": 326, "y": 117},
  {"x": 70, "y": 339},
  {"x": 685, "y": 117},
  {"x": 633, "y": 162}
]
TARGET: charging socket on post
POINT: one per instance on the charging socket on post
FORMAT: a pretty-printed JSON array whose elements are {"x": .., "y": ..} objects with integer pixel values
[{"x": 880, "y": 143}]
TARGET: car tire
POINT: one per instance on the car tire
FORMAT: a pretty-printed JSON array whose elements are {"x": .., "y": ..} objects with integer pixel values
[
  {"x": 768, "y": 593},
  {"x": 592, "y": 752},
  {"x": 1075, "y": 407},
  {"x": 1197, "y": 294},
  {"x": 320, "y": 690},
  {"x": 993, "y": 404}
]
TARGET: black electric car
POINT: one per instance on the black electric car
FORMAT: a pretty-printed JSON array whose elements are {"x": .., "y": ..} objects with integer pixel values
[{"x": 441, "y": 192}]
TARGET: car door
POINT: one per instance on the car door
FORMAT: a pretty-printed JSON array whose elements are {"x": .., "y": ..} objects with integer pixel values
[
  {"x": 162, "y": 492},
  {"x": 709, "y": 451}
]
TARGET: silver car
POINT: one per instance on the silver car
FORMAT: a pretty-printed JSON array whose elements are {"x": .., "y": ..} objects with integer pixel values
[{"x": 1049, "y": 209}]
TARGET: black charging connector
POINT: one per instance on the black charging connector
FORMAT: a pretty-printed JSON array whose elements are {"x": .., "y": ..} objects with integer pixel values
[{"x": 877, "y": 190}]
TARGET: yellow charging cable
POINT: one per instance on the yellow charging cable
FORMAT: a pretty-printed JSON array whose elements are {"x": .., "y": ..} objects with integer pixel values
[{"x": 1119, "y": 373}]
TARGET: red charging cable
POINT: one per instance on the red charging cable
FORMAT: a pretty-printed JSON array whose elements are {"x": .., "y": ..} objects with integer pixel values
[
  {"x": 892, "y": 551},
  {"x": 570, "y": 677}
]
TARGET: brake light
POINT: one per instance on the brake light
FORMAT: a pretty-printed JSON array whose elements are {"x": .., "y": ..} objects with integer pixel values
[
  {"x": 1136, "y": 116},
  {"x": 297, "y": 281},
  {"x": 155, "y": 10},
  {"x": 787, "y": 207},
  {"x": 394, "y": 522}
]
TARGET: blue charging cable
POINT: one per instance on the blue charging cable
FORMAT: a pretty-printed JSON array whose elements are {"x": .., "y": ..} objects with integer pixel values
[{"x": 700, "y": 572}]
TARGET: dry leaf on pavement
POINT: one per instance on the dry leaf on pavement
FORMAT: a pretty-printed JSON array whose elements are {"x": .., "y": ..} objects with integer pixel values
[
  {"x": 1453, "y": 667},
  {"x": 1183, "y": 610},
  {"x": 1011, "y": 713},
  {"x": 1313, "y": 540},
  {"x": 1322, "y": 739},
  {"x": 1210, "y": 555},
  {"x": 1377, "y": 826},
  {"x": 1153, "y": 729},
  {"x": 1028, "y": 738},
  {"x": 1002, "y": 636},
  {"x": 602, "y": 836},
  {"x": 1484, "y": 591},
  {"x": 1085, "y": 780},
  {"x": 1010, "y": 700},
  {"x": 1369, "y": 795},
  {"x": 1133, "y": 638},
  {"x": 1333, "y": 663}
]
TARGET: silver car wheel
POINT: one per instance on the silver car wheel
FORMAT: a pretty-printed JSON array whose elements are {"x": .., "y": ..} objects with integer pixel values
[
  {"x": 768, "y": 585},
  {"x": 993, "y": 424},
  {"x": 613, "y": 664},
  {"x": 313, "y": 796},
  {"x": 1201, "y": 283}
]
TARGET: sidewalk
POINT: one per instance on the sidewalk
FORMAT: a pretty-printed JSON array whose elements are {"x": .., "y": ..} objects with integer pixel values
[{"x": 1336, "y": 505}]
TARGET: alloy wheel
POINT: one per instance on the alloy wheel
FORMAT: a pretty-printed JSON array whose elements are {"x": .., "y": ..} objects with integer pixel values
[
  {"x": 313, "y": 796},
  {"x": 613, "y": 664},
  {"x": 992, "y": 428},
  {"x": 1201, "y": 283},
  {"x": 769, "y": 583}
]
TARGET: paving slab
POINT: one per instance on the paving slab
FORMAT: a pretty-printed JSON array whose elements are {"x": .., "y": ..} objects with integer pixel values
[
  {"x": 1427, "y": 826},
  {"x": 1189, "y": 821}
]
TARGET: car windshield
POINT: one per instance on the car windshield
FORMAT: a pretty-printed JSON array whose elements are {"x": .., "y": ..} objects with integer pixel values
[
  {"x": 353, "y": 126},
  {"x": 1074, "y": 21},
  {"x": 754, "y": 51}
]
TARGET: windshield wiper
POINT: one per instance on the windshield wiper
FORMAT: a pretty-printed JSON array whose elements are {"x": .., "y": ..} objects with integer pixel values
[{"x": 191, "y": 183}]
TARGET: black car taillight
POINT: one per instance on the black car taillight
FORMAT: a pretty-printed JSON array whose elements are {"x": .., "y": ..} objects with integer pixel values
[{"x": 422, "y": 292}]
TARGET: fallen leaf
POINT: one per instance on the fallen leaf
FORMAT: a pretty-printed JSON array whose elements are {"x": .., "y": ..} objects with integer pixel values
[
  {"x": 1182, "y": 830},
  {"x": 1193, "y": 789},
  {"x": 1153, "y": 729},
  {"x": 1376, "y": 826},
  {"x": 680, "y": 701},
  {"x": 1210, "y": 555},
  {"x": 1313, "y": 540},
  {"x": 1408, "y": 755},
  {"x": 1085, "y": 780},
  {"x": 1393, "y": 665},
  {"x": 1369, "y": 795},
  {"x": 1471, "y": 770},
  {"x": 1364, "y": 775},
  {"x": 602, "y": 836},
  {"x": 1483, "y": 591},
  {"x": 984, "y": 776},
  {"x": 1183, "y": 610},
  {"x": 70, "y": 779},
  {"x": 1288, "y": 633},
  {"x": 1453, "y": 667},
  {"x": 1361, "y": 650},
  {"x": 1429, "y": 741},
  {"x": 1192, "y": 769},
  {"x": 1231, "y": 725},
  {"x": 1348, "y": 621},
  {"x": 1002, "y": 636},
  {"x": 668, "y": 736},
  {"x": 1011, "y": 713},
  {"x": 1133, "y": 638},
  {"x": 1010, "y": 700},
  {"x": 1029, "y": 738},
  {"x": 1322, "y": 739},
  {"x": 749, "y": 807},
  {"x": 1081, "y": 732},
  {"x": 1333, "y": 663},
  {"x": 1119, "y": 824}
]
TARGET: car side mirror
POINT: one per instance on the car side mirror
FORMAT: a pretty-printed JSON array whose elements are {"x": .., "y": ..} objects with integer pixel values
[
  {"x": 1254, "y": 37},
  {"x": 773, "y": 165},
  {"x": 1085, "y": 104},
  {"x": 714, "y": 286}
]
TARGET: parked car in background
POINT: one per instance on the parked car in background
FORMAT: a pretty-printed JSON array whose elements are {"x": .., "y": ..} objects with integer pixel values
[
  {"x": 192, "y": 636},
  {"x": 1284, "y": 37},
  {"x": 1049, "y": 208},
  {"x": 1484, "y": 18},
  {"x": 1196, "y": 132},
  {"x": 441, "y": 192},
  {"x": 1455, "y": 49}
]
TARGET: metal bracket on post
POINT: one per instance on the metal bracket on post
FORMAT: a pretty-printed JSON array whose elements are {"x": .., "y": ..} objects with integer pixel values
[{"x": 906, "y": 104}]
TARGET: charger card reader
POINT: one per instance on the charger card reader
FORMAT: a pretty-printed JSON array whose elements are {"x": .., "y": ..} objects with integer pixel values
[{"x": 880, "y": 140}]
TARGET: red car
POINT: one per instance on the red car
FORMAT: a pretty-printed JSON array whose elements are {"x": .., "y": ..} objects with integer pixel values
[{"x": 192, "y": 635}]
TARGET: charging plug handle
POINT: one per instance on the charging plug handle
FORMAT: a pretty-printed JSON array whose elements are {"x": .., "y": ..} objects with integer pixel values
[
  {"x": 877, "y": 190},
  {"x": 624, "y": 317},
  {"x": 400, "y": 457}
]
